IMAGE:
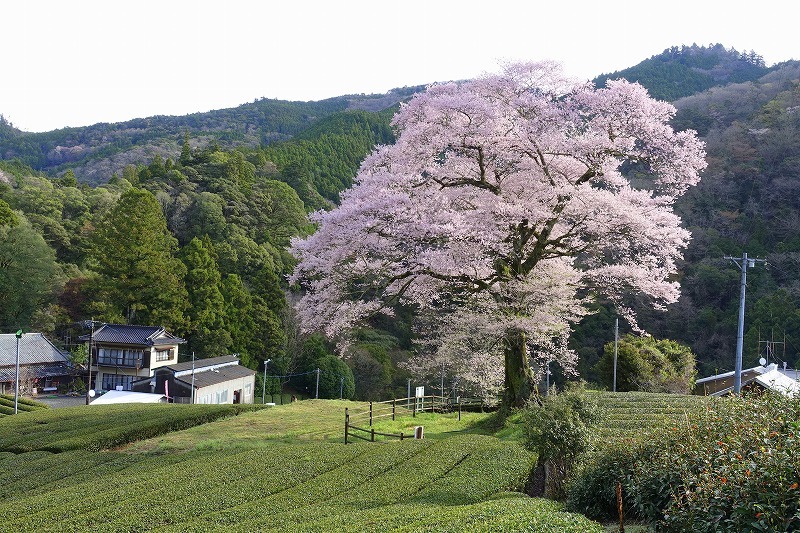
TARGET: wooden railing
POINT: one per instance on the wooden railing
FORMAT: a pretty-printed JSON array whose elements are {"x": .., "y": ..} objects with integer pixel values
[{"x": 355, "y": 419}]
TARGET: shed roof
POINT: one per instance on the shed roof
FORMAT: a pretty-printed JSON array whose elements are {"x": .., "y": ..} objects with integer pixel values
[
  {"x": 204, "y": 364},
  {"x": 132, "y": 334},
  {"x": 216, "y": 376}
]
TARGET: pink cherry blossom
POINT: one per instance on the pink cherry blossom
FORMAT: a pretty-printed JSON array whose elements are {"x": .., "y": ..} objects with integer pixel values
[{"x": 506, "y": 203}]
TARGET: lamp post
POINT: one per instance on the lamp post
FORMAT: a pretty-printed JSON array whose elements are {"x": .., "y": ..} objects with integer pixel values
[
  {"x": 89, "y": 377},
  {"x": 264, "y": 384},
  {"x": 16, "y": 381}
]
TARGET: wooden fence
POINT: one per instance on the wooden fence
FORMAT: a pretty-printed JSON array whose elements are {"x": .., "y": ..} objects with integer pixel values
[{"x": 356, "y": 419}]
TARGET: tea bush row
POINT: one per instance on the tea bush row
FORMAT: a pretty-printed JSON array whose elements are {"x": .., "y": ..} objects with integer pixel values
[
  {"x": 102, "y": 427},
  {"x": 23, "y": 405},
  {"x": 325, "y": 487},
  {"x": 732, "y": 467},
  {"x": 439, "y": 471},
  {"x": 518, "y": 513},
  {"x": 196, "y": 482},
  {"x": 29, "y": 471},
  {"x": 244, "y": 478}
]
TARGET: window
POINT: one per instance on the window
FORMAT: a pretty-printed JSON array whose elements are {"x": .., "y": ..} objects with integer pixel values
[
  {"x": 112, "y": 381},
  {"x": 120, "y": 357},
  {"x": 163, "y": 355}
]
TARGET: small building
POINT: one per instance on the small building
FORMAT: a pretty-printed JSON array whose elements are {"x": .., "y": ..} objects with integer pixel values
[
  {"x": 214, "y": 380},
  {"x": 42, "y": 366},
  {"x": 770, "y": 377},
  {"x": 121, "y": 354}
]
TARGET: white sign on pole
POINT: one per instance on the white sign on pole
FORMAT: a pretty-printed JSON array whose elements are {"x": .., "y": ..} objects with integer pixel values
[{"x": 420, "y": 392}]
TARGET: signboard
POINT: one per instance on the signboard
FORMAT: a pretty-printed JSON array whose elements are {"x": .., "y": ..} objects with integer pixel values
[{"x": 420, "y": 392}]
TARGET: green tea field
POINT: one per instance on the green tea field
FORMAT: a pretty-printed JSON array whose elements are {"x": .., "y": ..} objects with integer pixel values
[{"x": 206, "y": 468}]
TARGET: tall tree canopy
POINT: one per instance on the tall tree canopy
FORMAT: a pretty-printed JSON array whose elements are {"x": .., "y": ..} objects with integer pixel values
[
  {"x": 505, "y": 202},
  {"x": 141, "y": 280},
  {"x": 29, "y": 274}
]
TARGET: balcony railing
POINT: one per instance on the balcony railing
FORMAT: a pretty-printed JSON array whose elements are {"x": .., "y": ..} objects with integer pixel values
[{"x": 127, "y": 362}]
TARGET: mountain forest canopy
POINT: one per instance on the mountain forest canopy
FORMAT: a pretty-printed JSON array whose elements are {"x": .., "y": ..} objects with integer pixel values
[{"x": 223, "y": 193}]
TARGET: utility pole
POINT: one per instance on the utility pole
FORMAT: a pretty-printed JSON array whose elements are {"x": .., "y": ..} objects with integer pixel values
[
  {"x": 744, "y": 263},
  {"x": 18, "y": 334},
  {"x": 316, "y": 393}
]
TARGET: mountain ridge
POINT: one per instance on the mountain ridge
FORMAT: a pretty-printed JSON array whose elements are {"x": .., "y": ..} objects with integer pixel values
[{"x": 98, "y": 152}]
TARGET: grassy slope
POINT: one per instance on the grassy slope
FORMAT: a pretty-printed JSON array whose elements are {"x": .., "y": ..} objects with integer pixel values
[{"x": 283, "y": 468}]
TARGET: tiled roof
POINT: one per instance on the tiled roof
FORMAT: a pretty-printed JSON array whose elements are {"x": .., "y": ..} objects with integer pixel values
[
  {"x": 216, "y": 376},
  {"x": 33, "y": 348},
  {"x": 37, "y": 370},
  {"x": 129, "y": 334}
]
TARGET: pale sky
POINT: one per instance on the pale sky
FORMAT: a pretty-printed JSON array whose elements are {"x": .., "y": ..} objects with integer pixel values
[{"x": 80, "y": 62}]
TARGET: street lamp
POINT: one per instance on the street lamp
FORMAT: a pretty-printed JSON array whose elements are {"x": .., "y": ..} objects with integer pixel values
[
  {"x": 264, "y": 384},
  {"x": 16, "y": 381}
]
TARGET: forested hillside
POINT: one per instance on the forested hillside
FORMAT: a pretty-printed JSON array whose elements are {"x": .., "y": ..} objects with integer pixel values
[
  {"x": 95, "y": 153},
  {"x": 196, "y": 243},
  {"x": 686, "y": 70},
  {"x": 185, "y": 221},
  {"x": 747, "y": 201}
]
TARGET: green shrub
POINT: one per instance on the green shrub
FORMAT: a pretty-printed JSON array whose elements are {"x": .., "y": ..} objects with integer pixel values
[
  {"x": 734, "y": 466},
  {"x": 559, "y": 430}
]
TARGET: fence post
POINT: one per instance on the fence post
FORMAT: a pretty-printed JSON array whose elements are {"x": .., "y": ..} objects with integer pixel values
[
  {"x": 394, "y": 408},
  {"x": 401, "y": 435},
  {"x": 346, "y": 424},
  {"x": 458, "y": 401},
  {"x": 414, "y": 408},
  {"x": 372, "y": 431},
  {"x": 370, "y": 414}
]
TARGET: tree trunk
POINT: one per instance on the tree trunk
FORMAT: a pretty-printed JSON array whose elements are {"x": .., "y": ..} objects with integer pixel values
[{"x": 519, "y": 377}]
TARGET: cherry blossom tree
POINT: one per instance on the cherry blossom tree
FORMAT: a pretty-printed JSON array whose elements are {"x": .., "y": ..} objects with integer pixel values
[{"x": 506, "y": 203}]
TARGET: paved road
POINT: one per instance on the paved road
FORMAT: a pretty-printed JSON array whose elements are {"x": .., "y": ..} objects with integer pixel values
[{"x": 55, "y": 400}]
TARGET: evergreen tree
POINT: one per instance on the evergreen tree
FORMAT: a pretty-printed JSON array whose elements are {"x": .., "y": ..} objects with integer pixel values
[
  {"x": 239, "y": 320},
  {"x": 206, "y": 335},
  {"x": 268, "y": 303},
  {"x": 140, "y": 280}
]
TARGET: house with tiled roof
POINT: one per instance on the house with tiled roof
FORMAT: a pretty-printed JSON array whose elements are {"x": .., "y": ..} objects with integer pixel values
[
  {"x": 42, "y": 365},
  {"x": 123, "y": 353},
  {"x": 213, "y": 380}
]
